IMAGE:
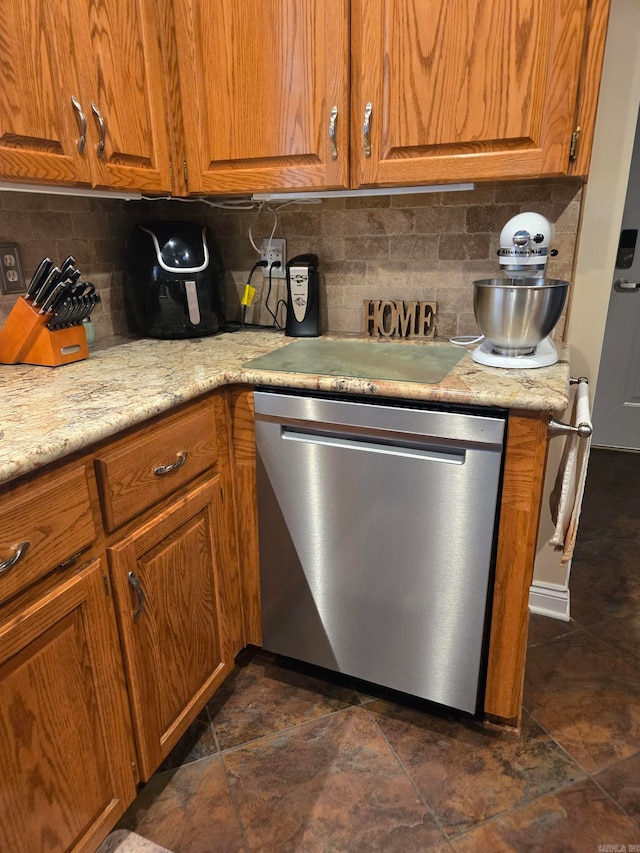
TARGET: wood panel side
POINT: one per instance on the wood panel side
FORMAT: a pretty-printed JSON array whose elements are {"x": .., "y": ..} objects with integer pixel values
[
  {"x": 589, "y": 87},
  {"x": 229, "y": 576},
  {"x": 172, "y": 96},
  {"x": 525, "y": 458},
  {"x": 244, "y": 469}
]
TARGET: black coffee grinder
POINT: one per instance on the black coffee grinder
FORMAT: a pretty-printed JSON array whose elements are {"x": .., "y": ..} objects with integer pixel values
[{"x": 303, "y": 297}]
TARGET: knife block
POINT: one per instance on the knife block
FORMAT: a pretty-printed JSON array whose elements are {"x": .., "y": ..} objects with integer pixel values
[{"x": 25, "y": 339}]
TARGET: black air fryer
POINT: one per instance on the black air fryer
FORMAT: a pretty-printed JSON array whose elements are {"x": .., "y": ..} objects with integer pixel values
[{"x": 173, "y": 282}]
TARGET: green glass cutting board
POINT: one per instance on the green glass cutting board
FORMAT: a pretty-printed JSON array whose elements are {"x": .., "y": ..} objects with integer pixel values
[{"x": 428, "y": 363}]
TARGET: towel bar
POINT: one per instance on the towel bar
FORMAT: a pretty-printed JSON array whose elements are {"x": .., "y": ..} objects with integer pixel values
[{"x": 583, "y": 429}]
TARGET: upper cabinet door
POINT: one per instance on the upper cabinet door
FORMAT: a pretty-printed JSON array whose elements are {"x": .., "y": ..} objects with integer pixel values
[
  {"x": 39, "y": 127},
  {"x": 264, "y": 84},
  {"x": 464, "y": 90},
  {"x": 124, "y": 81}
]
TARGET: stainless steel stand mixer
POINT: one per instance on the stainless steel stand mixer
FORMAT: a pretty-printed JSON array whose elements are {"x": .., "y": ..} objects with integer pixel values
[{"x": 516, "y": 313}]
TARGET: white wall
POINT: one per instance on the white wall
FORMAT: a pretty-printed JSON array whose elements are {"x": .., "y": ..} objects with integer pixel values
[{"x": 603, "y": 205}]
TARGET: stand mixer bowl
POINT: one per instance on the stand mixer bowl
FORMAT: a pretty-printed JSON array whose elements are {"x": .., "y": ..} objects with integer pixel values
[{"x": 516, "y": 314}]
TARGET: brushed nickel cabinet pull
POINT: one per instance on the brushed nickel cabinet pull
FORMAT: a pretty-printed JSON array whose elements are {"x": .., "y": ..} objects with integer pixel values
[
  {"x": 18, "y": 553},
  {"x": 82, "y": 123},
  {"x": 332, "y": 133},
  {"x": 366, "y": 130},
  {"x": 135, "y": 583},
  {"x": 161, "y": 470},
  {"x": 102, "y": 127}
]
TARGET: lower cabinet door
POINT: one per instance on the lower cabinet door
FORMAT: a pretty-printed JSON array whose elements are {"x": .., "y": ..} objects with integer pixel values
[
  {"x": 165, "y": 576},
  {"x": 65, "y": 762}
]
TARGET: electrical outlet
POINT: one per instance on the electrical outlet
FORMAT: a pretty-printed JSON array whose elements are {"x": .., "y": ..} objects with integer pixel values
[
  {"x": 274, "y": 250},
  {"x": 11, "y": 275}
]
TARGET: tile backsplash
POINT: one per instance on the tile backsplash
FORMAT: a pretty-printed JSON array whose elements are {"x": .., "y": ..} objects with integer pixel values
[{"x": 413, "y": 247}]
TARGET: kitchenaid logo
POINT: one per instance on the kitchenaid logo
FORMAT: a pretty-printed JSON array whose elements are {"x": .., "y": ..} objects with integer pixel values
[{"x": 399, "y": 319}]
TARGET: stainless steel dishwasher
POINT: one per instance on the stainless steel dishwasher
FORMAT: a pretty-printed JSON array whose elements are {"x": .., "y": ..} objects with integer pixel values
[{"x": 376, "y": 539}]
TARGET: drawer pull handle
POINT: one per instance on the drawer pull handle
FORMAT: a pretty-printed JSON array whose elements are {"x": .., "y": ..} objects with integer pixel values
[
  {"x": 19, "y": 552},
  {"x": 135, "y": 583},
  {"x": 161, "y": 470}
]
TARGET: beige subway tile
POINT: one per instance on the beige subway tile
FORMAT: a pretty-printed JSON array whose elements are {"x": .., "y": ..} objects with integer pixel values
[
  {"x": 487, "y": 218},
  {"x": 569, "y": 219},
  {"x": 446, "y": 323},
  {"x": 366, "y": 248},
  {"x": 345, "y": 320},
  {"x": 467, "y": 325},
  {"x": 458, "y": 300},
  {"x": 416, "y": 200},
  {"x": 24, "y": 201},
  {"x": 87, "y": 225},
  {"x": 369, "y": 201},
  {"x": 436, "y": 220},
  {"x": 413, "y": 247},
  {"x": 524, "y": 193},
  {"x": 567, "y": 190},
  {"x": 466, "y": 198},
  {"x": 15, "y": 227},
  {"x": 67, "y": 203}
]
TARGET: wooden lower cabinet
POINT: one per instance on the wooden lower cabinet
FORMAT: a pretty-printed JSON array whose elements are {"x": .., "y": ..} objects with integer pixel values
[
  {"x": 167, "y": 582},
  {"x": 66, "y": 758}
]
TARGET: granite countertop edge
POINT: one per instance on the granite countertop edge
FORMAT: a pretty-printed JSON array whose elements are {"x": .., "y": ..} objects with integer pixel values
[{"x": 51, "y": 413}]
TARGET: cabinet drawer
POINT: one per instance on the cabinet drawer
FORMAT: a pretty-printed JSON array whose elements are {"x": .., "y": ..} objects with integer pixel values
[
  {"x": 54, "y": 516},
  {"x": 155, "y": 462}
]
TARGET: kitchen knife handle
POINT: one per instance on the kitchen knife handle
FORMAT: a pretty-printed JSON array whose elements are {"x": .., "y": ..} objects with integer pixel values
[
  {"x": 332, "y": 133},
  {"x": 135, "y": 583},
  {"x": 18, "y": 553},
  {"x": 102, "y": 127},
  {"x": 161, "y": 470},
  {"x": 366, "y": 130},
  {"x": 82, "y": 123}
]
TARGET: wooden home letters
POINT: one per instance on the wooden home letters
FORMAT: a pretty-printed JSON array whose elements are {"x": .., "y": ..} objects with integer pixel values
[{"x": 390, "y": 318}]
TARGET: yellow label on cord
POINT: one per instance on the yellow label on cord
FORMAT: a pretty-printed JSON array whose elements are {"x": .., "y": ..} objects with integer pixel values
[{"x": 249, "y": 293}]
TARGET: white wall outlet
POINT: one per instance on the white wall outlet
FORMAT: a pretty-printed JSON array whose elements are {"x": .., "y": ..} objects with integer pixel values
[{"x": 274, "y": 250}]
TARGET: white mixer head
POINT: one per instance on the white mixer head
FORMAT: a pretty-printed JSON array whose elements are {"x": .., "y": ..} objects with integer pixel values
[{"x": 524, "y": 245}]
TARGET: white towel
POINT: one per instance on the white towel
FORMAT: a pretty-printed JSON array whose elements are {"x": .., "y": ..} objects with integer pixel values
[{"x": 566, "y": 497}]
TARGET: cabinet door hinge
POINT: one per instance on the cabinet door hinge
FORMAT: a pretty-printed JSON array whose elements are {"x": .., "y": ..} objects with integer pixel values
[
  {"x": 171, "y": 171},
  {"x": 573, "y": 146},
  {"x": 185, "y": 172},
  {"x": 106, "y": 586},
  {"x": 134, "y": 771}
]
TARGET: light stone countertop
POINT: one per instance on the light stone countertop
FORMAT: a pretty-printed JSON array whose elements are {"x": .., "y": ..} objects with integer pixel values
[{"x": 48, "y": 413}]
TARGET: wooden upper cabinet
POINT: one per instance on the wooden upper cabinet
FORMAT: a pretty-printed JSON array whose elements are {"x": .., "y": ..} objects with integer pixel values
[
  {"x": 56, "y": 64},
  {"x": 259, "y": 80},
  {"x": 465, "y": 90},
  {"x": 39, "y": 129},
  {"x": 123, "y": 85}
]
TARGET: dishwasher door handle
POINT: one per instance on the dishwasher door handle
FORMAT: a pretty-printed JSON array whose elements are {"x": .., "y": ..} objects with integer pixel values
[{"x": 455, "y": 456}]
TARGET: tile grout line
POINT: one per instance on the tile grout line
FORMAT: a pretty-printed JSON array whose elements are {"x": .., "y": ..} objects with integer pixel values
[
  {"x": 286, "y": 729},
  {"x": 588, "y": 775},
  {"x": 232, "y": 796},
  {"x": 407, "y": 774}
]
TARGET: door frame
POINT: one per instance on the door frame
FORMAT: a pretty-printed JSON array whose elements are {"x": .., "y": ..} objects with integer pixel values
[
  {"x": 601, "y": 217},
  {"x": 606, "y": 190}
]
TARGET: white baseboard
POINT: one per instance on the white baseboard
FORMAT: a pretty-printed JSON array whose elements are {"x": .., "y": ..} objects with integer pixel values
[{"x": 550, "y": 599}]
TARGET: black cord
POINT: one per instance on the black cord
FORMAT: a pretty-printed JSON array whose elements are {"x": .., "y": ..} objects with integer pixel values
[
  {"x": 276, "y": 325},
  {"x": 256, "y": 266}
]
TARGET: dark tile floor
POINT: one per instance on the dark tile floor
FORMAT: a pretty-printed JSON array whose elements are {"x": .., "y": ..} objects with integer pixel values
[{"x": 284, "y": 760}]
